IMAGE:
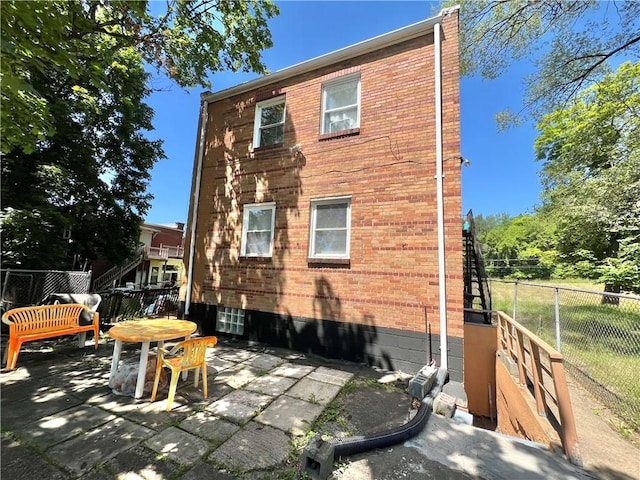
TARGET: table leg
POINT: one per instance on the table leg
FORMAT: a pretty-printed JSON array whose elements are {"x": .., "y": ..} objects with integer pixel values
[
  {"x": 117, "y": 348},
  {"x": 142, "y": 369}
]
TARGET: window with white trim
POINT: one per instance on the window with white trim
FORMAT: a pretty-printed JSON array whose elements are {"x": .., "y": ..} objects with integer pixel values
[
  {"x": 257, "y": 229},
  {"x": 230, "y": 320},
  {"x": 330, "y": 228},
  {"x": 341, "y": 104},
  {"x": 269, "y": 122}
]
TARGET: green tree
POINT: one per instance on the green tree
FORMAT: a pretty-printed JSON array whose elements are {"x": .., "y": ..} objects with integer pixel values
[
  {"x": 74, "y": 153},
  {"x": 520, "y": 247},
  {"x": 187, "y": 42},
  {"x": 569, "y": 42},
  {"x": 591, "y": 178},
  {"x": 485, "y": 224},
  {"x": 88, "y": 178}
]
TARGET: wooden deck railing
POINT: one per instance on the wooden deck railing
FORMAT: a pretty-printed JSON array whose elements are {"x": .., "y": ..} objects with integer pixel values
[{"x": 542, "y": 365}]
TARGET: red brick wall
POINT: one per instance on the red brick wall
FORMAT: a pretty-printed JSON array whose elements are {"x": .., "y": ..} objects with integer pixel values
[
  {"x": 166, "y": 237},
  {"x": 388, "y": 169}
]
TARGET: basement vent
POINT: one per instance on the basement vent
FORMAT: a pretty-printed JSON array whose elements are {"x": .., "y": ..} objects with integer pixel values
[{"x": 230, "y": 320}]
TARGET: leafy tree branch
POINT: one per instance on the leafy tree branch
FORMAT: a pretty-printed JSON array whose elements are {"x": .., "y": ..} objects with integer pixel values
[
  {"x": 570, "y": 43},
  {"x": 75, "y": 156}
]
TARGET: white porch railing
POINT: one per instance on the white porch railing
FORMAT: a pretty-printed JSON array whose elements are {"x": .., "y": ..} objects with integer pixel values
[{"x": 164, "y": 252}]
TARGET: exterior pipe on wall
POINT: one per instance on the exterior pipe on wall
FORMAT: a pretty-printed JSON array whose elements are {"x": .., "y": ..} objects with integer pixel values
[
  {"x": 195, "y": 202},
  {"x": 442, "y": 296}
]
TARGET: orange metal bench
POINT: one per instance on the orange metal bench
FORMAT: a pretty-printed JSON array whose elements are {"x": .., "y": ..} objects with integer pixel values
[{"x": 27, "y": 324}]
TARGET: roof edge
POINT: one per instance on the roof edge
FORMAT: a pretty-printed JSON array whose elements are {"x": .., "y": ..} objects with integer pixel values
[
  {"x": 154, "y": 227},
  {"x": 366, "y": 46}
]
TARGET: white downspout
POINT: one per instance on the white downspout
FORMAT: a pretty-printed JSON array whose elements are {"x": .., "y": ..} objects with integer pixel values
[
  {"x": 196, "y": 201},
  {"x": 442, "y": 296}
]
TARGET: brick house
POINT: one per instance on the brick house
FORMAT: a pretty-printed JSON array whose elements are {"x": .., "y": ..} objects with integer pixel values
[
  {"x": 326, "y": 204},
  {"x": 158, "y": 262},
  {"x": 162, "y": 253}
]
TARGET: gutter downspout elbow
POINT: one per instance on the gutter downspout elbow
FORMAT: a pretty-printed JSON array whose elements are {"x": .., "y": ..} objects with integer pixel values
[
  {"x": 195, "y": 201},
  {"x": 442, "y": 296}
]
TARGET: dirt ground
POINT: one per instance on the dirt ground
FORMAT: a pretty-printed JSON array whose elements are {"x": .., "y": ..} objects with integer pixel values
[{"x": 606, "y": 453}]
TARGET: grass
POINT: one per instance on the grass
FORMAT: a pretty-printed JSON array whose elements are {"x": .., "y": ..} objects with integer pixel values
[{"x": 600, "y": 340}]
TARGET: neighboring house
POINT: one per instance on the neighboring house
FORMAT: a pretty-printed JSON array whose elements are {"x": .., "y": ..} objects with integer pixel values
[
  {"x": 157, "y": 264},
  {"x": 326, "y": 204},
  {"x": 163, "y": 249}
]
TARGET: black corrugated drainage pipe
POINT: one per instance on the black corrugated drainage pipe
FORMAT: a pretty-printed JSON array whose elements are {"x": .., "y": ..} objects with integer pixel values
[{"x": 318, "y": 455}]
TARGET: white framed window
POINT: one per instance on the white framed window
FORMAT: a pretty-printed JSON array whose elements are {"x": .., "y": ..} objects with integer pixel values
[
  {"x": 258, "y": 224},
  {"x": 341, "y": 104},
  {"x": 330, "y": 228},
  {"x": 230, "y": 320},
  {"x": 269, "y": 122}
]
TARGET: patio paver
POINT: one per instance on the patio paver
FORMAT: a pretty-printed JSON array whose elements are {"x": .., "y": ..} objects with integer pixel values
[
  {"x": 237, "y": 376},
  {"x": 271, "y": 385},
  {"x": 80, "y": 454},
  {"x": 44, "y": 402},
  {"x": 139, "y": 463},
  {"x": 57, "y": 428},
  {"x": 254, "y": 447},
  {"x": 14, "y": 466},
  {"x": 216, "y": 364},
  {"x": 204, "y": 470},
  {"x": 331, "y": 375},
  {"x": 264, "y": 362},
  {"x": 234, "y": 354},
  {"x": 178, "y": 445},
  {"x": 239, "y": 406},
  {"x": 290, "y": 414},
  {"x": 208, "y": 426},
  {"x": 314, "y": 391},
  {"x": 292, "y": 370}
]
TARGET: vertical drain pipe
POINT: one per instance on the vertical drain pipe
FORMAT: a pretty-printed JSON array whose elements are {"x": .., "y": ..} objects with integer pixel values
[
  {"x": 442, "y": 297},
  {"x": 195, "y": 201}
]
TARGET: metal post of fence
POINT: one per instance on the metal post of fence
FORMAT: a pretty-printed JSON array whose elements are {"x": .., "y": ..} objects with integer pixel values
[
  {"x": 31, "y": 289},
  {"x": 4, "y": 285},
  {"x": 557, "y": 318},
  {"x": 515, "y": 299}
]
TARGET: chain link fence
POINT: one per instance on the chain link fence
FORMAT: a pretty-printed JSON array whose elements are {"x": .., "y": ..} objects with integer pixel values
[
  {"x": 598, "y": 335},
  {"x": 21, "y": 288}
]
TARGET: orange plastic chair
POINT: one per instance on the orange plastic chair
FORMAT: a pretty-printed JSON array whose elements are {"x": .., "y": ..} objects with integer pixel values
[{"x": 192, "y": 357}]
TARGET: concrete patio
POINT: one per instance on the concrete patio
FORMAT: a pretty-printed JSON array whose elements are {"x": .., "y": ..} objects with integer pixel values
[{"x": 60, "y": 420}]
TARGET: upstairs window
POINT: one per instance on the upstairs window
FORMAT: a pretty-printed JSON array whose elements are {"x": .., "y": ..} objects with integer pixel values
[
  {"x": 341, "y": 104},
  {"x": 257, "y": 229},
  {"x": 269, "y": 123},
  {"x": 330, "y": 228}
]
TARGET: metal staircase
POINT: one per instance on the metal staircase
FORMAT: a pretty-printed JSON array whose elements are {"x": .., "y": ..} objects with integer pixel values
[
  {"x": 105, "y": 280},
  {"x": 477, "y": 295}
]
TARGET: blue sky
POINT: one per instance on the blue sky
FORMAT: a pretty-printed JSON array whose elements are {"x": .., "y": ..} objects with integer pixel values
[{"x": 501, "y": 178}]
